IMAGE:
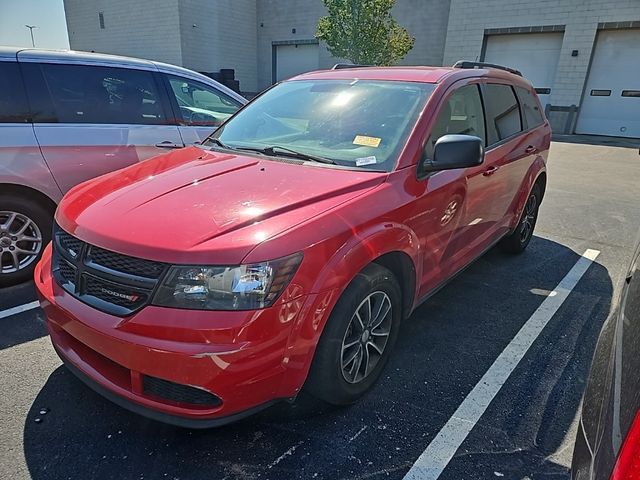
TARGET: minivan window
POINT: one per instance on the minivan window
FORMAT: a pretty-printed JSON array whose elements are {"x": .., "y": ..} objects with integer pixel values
[
  {"x": 530, "y": 107},
  {"x": 200, "y": 104},
  {"x": 461, "y": 114},
  {"x": 90, "y": 94},
  {"x": 354, "y": 123},
  {"x": 503, "y": 113},
  {"x": 13, "y": 102}
]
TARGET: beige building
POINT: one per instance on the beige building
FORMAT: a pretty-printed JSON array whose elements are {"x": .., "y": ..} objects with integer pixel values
[{"x": 582, "y": 55}]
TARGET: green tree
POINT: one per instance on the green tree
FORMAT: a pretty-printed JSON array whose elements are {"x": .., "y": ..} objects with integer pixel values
[{"x": 364, "y": 32}]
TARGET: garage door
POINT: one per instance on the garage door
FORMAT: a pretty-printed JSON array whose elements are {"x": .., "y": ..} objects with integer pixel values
[
  {"x": 292, "y": 60},
  {"x": 536, "y": 55},
  {"x": 611, "y": 103}
]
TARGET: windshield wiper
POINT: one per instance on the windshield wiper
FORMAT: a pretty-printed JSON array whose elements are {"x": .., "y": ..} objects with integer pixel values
[
  {"x": 276, "y": 150},
  {"x": 220, "y": 143}
]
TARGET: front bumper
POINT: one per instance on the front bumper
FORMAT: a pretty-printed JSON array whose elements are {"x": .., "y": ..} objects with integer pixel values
[{"x": 239, "y": 358}]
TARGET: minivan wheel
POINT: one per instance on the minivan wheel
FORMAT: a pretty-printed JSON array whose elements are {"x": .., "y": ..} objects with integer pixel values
[
  {"x": 517, "y": 241},
  {"x": 358, "y": 338},
  {"x": 25, "y": 229}
]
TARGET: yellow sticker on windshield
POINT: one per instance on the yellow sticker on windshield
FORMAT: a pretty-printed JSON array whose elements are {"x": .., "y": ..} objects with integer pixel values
[{"x": 367, "y": 141}]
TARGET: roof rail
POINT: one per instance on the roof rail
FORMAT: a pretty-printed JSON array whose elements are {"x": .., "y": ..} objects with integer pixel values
[
  {"x": 342, "y": 66},
  {"x": 466, "y": 64}
]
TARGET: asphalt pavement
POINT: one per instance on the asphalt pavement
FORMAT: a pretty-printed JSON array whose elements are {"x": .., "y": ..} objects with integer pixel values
[{"x": 442, "y": 353}]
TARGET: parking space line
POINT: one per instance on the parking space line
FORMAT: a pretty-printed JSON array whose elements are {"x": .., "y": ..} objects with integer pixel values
[
  {"x": 441, "y": 450},
  {"x": 19, "y": 309}
]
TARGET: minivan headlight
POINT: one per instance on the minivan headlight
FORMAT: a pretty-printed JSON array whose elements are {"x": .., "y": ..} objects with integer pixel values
[{"x": 242, "y": 287}]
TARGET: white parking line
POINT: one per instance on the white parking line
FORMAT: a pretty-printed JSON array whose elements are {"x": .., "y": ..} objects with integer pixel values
[
  {"x": 19, "y": 309},
  {"x": 441, "y": 450}
]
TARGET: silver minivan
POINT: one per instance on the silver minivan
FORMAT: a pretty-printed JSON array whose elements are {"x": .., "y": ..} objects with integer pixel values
[{"x": 67, "y": 116}]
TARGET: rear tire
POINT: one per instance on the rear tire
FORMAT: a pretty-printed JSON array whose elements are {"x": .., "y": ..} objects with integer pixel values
[
  {"x": 354, "y": 348},
  {"x": 25, "y": 230},
  {"x": 517, "y": 241}
]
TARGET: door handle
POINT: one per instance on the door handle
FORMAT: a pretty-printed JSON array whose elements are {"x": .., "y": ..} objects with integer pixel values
[
  {"x": 490, "y": 171},
  {"x": 168, "y": 144},
  {"x": 530, "y": 150}
]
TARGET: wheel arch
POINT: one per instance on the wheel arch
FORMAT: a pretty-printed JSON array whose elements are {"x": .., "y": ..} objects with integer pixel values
[
  {"x": 392, "y": 245},
  {"x": 29, "y": 193},
  {"x": 541, "y": 180},
  {"x": 537, "y": 175},
  {"x": 401, "y": 265}
]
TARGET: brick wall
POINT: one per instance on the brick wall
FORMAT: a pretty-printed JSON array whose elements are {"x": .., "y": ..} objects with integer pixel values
[
  {"x": 240, "y": 34},
  {"x": 469, "y": 18}
]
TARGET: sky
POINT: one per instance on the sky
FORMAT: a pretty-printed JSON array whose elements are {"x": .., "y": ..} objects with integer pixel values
[{"x": 47, "y": 15}]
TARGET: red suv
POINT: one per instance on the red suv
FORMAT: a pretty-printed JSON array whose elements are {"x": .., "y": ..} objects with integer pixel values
[{"x": 285, "y": 251}]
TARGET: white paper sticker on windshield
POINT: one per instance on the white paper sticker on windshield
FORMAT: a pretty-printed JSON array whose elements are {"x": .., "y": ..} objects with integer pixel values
[
  {"x": 367, "y": 141},
  {"x": 365, "y": 161}
]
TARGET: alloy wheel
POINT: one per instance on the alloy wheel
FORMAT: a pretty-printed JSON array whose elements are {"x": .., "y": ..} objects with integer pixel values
[
  {"x": 528, "y": 218},
  {"x": 366, "y": 337},
  {"x": 20, "y": 241}
]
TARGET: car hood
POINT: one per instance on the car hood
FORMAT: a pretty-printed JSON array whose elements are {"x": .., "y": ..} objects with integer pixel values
[{"x": 198, "y": 206}]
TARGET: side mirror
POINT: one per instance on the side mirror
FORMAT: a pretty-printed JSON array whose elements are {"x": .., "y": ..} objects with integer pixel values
[{"x": 455, "y": 151}]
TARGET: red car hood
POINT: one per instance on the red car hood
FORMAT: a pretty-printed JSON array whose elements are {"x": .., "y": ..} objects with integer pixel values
[{"x": 197, "y": 206}]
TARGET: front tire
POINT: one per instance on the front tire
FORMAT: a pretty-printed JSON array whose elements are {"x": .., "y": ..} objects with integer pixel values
[
  {"x": 517, "y": 241},
  {"x": 358, "y": 338},
  {"x": 25, "y": 229}
]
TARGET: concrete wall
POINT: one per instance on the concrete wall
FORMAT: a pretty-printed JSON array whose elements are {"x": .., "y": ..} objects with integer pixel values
[
  {"x": 426, "y": 20},
  {"x": 275, "y": 21},
  {"x": 239, "y": 34},
  {"x": 150, "y": 30},
  {"x": 468, "y": 20},
  {"x": 224, "y": 36}
]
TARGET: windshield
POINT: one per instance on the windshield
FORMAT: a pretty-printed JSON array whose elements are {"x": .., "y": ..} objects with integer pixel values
[{"x": 354, "y": 123}]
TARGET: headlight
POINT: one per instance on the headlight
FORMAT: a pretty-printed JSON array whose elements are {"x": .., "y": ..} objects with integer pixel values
[{"x": 243, "y": 287}]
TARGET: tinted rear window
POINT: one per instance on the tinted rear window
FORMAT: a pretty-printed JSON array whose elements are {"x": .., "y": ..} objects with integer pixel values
[
  {"x": 13, "y": 103},
  {"x": 530, "y": 108},
  {"x": 87, "y": 94},
  {"x": 502, "y": 111}
]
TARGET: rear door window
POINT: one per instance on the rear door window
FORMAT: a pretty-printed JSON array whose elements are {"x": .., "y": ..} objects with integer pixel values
[
  {"x": 530, "y": 108},
  {"x": 13, "y": 102},
  {"x": 503, "y": 112},
  {"x": 200, "y": 104},
  {"x": 88, "y": 94}
]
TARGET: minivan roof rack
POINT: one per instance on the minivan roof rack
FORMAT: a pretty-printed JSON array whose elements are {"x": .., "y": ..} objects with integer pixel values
[
  {"x": 342, "y": 66},
  {"x": 467, "y": 64}
]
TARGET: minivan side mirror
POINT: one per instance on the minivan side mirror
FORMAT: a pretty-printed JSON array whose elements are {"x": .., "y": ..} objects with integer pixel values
[{"x": 454, "y": 151}]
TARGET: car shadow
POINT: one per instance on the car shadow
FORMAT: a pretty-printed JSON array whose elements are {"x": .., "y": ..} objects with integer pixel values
[
  {"x": 599, "y": 140},
  {"x": 443, "y": 350}
]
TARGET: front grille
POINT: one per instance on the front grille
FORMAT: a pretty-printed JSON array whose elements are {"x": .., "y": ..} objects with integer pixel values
[
  {"x": 122, "y": 296},
  {"x": 176, "y": 392},
  {"x": 71, "y": 245},
  {"x": 67, "y": 271},
  {"x": 109, "y": 281},
  {"x": 125, "y": 264}
]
